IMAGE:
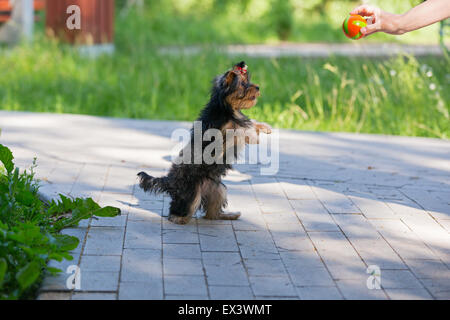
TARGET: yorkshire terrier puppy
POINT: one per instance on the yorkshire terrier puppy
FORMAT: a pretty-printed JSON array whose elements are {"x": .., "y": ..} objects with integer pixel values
[{"x": 198, "y": 185}]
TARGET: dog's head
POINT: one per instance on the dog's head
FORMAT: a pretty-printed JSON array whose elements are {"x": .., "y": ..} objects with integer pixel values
[{"x": 236, "y": 89}]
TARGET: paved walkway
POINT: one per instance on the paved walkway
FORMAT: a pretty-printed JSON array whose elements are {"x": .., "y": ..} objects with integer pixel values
[
  {"x": 315, "y": 50},
  {"x": 340, "y": 203}
]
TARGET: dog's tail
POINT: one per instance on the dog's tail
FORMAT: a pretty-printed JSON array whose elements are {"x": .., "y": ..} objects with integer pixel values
[{"x": 152, "y": 184}]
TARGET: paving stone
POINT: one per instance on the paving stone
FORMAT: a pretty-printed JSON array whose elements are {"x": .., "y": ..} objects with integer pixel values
[
  {"x": 119, "y": 181},
  {"x": 335, "y": 202},
  {"x": 152, "y": 204},
  {"x": 285, "y": 217},
  {"x": 90, "y": 181},
  {"x": 313, "y": 215},
  {"x": 350, "y": 271},
  {"x": 270, "y": 196},
  {"x": 297, "y": 189},
  {"x": 309, "y": 276},
  {"x": 403, "y": 240},
  {"x": 319, "y": 293},
  {"x": 99, "y": 281},
  {"x": 54, "y": 296},
  {"x": 209, "y": 222},
  {"x": 224, "y": 268},
  {"x": 230, "y": 293},
  {"x": 290, "y": 240},
  {"x": 430, "y": 201},
  {"x": 60, "y": 180},
  {"x": 140, "y": 214},
  {"x": 439, "y": 287},
  {"x": 356, "y": 227},
  {"x": 432, "y": 234},
  {"x": 369, "y": 244},
  {"x": 141, "y": 265},
  {"x": 266, "y": 267},
  {"x": 182, "y": 267},
  {"x": 292, "y": 259},
  {"x": 100, "y": 263},
  {"x": 445, "y": 224},
  {"x": 406, "y": 208},
  {"x": 408, "y": 294},
  {"x": 181, "y": 251},
  {"x": 380, "y": 255},
  {"x": 276, "y": 298},
  {"x": 372, "y": 208},
  {"x": 339, "y": 256},
  {"x": 185, "y": 285},
  {"x": 143, "y": 235},
  {"x": 357, "y": 290},
  {"x": 93, "y": 296},
  {"x": 391, "y": 211},
  {"x": 184, "y": 297},
  {"x": 399, "y": 279},
  {"x": 256, "y": 245},
  {"x": 152, "y": 290},
  {"x": 250, "y": 222},
  {"x": 55, "y": 282},
  {"x": 180, "y": 236},
  {"x": 217, "y": 238},
  {"x": 104, "y": 241},
  {"x": 272, "y": 286},
  {"x": 429, "y": 269}
]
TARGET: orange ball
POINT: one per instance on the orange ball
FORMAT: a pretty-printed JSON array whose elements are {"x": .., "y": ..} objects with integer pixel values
[{"x": 352, "y": 26}]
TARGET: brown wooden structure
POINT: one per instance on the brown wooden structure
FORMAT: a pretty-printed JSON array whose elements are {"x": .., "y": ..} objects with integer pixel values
[{"x": 97, "y": 21}]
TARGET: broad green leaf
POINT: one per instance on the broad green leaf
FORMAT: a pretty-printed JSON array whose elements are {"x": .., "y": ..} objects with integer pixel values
[
  {"x": 6, "y": 158},
  {"x": 3, "y": 267},
  {"x": 107, "y": 212},
  {"x": 65, "y": 242},
  {"x": 28, "y": 274}
]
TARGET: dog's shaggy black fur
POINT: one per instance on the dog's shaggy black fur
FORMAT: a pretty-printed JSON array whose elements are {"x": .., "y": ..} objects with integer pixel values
[{"x": 191, "y": 186}]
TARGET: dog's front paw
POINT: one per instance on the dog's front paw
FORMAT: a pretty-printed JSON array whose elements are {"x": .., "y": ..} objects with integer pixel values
[
  {"x": 263, "y": 127},
  {"x": 178, "y": 219}
]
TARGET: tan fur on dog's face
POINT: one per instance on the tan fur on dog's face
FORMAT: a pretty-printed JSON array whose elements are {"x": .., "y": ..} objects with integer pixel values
[{"x": 244, "y": 94}]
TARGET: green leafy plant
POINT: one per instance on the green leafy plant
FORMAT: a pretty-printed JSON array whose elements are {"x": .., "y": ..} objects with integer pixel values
[{"x": 29, "y": 229}]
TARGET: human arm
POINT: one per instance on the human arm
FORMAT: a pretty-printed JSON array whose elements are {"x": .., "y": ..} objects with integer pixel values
[{"x": 424, "y": 14}]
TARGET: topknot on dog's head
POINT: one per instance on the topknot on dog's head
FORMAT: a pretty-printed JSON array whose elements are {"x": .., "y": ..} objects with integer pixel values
[{"x": 241, "y": 67}]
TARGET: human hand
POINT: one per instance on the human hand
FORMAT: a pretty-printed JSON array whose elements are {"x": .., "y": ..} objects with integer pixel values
[{"x": 378, "y": 20}]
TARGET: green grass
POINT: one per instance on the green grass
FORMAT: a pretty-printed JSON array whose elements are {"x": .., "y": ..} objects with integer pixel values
[
  {"x": 403, "y": 95},
  {"x": 187, "y": 22}
]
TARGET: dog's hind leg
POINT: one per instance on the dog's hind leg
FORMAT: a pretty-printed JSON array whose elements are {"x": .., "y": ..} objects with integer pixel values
[
  {"x": 214, "y": 199},
  {"x": 182, "y": 210}
]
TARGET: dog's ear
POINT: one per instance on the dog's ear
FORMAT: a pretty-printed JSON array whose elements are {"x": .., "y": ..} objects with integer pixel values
[{"x": 230, "y": 77}]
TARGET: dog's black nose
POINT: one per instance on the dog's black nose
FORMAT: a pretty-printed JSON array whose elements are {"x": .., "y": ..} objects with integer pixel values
[{"x": 257, "y": 88}]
